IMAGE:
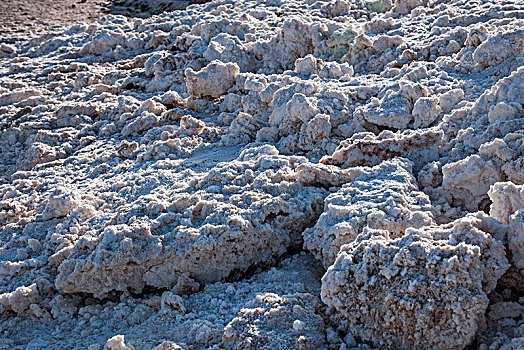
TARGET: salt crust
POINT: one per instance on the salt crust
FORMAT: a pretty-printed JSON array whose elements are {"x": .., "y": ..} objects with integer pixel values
[{"x": 152, "y": 170}]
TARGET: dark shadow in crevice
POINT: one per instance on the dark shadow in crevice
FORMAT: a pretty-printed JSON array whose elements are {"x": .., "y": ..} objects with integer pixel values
[{"x": 238, "y": 275}]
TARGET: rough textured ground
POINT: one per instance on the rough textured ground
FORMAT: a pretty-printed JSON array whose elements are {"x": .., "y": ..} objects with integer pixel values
[
  {"x": 25, "y": 19},
  {"x": 266, "y": 174}
]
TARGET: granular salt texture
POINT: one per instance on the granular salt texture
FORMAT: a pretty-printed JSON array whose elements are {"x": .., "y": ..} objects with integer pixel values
[
  {"x": 239, "y": 214},
  {"x": 21, "y": 300},
  {"x": 383, "y": 197},
  {"x": 508, "y": 208},
  {"x": 271, "y": 321},
  {"x": 428, "y": 288},
  {"x": 466, "y": 183},
  {"x": 516, "y": 238},
  {"x": 499, "y": 48},
  {"x": 474, "y": 229},
  {"x": 117, "y": 343},
  {"x": 504, "y": 326},
  {"x": 507, "y": 198},
  {"x": 129, "y": 132},
  {"x": 169, "y": 345},
  {"x": 369, "y": 149},
  {"x": 79, "y": 323},
  {"x": 213, "y": 80},
  {"x": 495, "y": 114},
  {"x": 397, "y": 100}
]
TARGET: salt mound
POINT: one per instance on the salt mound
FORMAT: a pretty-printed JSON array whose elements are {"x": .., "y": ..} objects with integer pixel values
[
  {"x": 383, "y": 197},
  {"x": 170, "y": 182},
  {"x": 239, "y": 214},
  {"x": 429, "y": 288}
]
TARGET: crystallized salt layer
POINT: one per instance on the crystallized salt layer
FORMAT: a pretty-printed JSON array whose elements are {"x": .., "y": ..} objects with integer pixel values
[
  {"x": 383, "y": 197},
  {"x": 428, "y": 288},
  {"x": 183, "y": 181}
]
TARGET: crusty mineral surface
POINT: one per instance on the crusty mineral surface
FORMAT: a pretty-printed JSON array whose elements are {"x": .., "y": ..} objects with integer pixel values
[
  {"x": 427, "y": 289},
  {"x": 184, "y": 181},
  {"x": 383, "y": 197},
  {"x": 508, "y": 208},
  {"x": 271, "y": 321}
]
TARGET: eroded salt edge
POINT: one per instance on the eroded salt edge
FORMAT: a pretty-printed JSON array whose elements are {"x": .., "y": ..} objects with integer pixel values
[{"x": 172, "y": 152}]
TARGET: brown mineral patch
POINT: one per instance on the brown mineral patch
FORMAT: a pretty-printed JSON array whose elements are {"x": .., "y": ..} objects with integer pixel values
[{"x": 27, "y": 19}]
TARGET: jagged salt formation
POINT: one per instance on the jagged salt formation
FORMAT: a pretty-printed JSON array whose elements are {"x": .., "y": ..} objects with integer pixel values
[
  {"x": 272, "y": 321},
  {"x": 383, "y": 197},
  {"x": 430, "y": 287},
  {"x": 159, "y": 175},
  {"x": 239, "y": 214}
]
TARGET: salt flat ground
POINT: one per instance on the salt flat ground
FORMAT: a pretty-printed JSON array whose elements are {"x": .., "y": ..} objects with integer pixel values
[{"x": 26, "y": 19}]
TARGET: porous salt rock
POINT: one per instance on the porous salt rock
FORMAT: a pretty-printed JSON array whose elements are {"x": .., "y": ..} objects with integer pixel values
[
  {"x": 516, "y": 239},
  {"x": 503, "y": 111},
  {"x": 39, "y": 153},
  {"x": 299, "y": 110},
  {"x": 232, "y": 103},
  {"x": 171, "y": 99},
  {"x": 308, "y": 65},
  {"x": 254, "y": 153},
  {"x": 504, "y": 327},
  {"x": 505, "y": 309},
  {"x": 229, "y": 48},
  {"x": 271, "y": 320},
  {"x": 495, "y": 114},
  {"x": 127, "y": 149},
  {"x": 508, "y": 207},
  {"x": 103, "y": 41},
  {"x": 378, "y": 5},
  {"x": 402, "y": 7},
  {"x": 368, "y": 149},
  {"x": 341, "y": 41},
  {"x": 312, "y": 133},
  {"x": 7, "y": 49},
  {"x": 171, "y": 301},
  {"x": 191, "y": 126},
  {"x": 75, "y": 103},
  {"x": 213, "y": 80},
  {"x": 203, "y": 232},
  {"x": 117, "y": 343},
  {"x": 499, "y": 48},
  {"x": 466, "y": 182},
  {"x": 406, "y": 282},
  {"x": 169, "y": 345},
  {"x": 296, "y": 38},
  {"x": 20, "y": 300},
  {"x": 383, "y": 197},
  {"x": 63, "y": 307},
  {"x": 151, "y": 106},
  {"x": 393, "y": 106},
  {"x": 335, "y": 70},
  {"x": 61, "y": 202},
  {"x": 479, "y": 231},
  {"x": 243, "y": 129},
  {"x": 255, "y": 83},
  {"x": 425, "y": 111},
  {"x": 506, "y": 199},
  {"x": 18, "y": 95},
  {"x": 448, "y": 100},
  {"x": 141, "y": 123}
]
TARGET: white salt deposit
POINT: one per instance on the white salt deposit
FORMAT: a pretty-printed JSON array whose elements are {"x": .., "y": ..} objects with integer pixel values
[{"x": 170, "y": 182}]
